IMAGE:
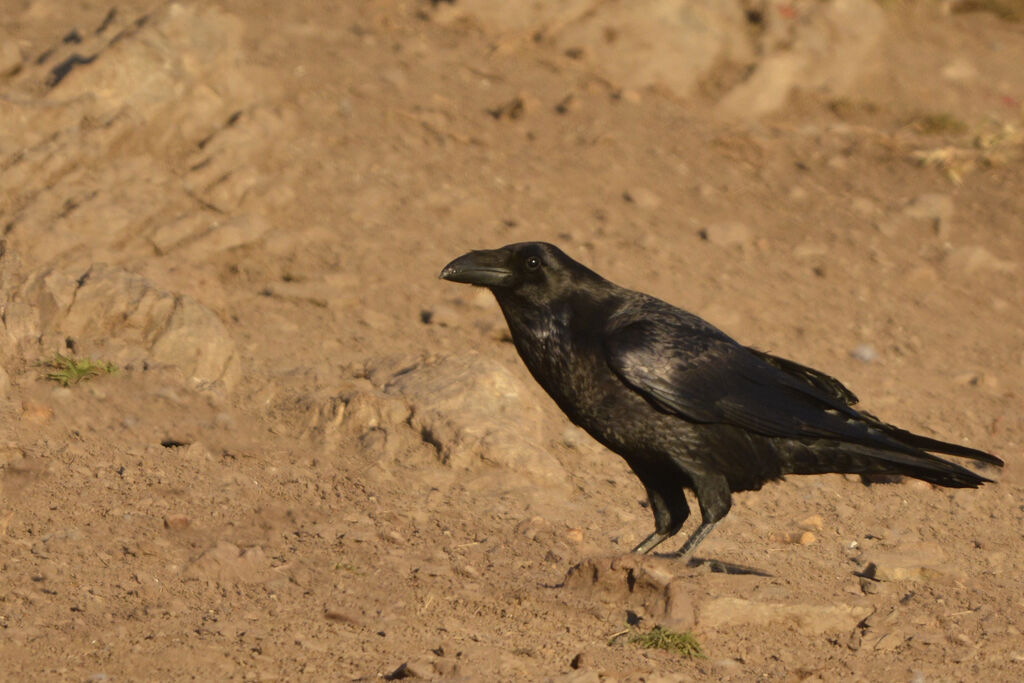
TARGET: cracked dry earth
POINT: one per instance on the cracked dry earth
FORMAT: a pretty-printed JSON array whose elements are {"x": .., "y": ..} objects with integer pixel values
[{"x": 317, "y": 461}]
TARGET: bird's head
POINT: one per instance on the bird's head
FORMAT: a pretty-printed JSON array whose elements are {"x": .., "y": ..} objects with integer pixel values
[{"x": 535, "y": 271}]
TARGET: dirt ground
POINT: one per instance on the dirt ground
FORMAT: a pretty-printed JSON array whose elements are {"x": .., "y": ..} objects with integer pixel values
[{"x": 318, "y": 461}]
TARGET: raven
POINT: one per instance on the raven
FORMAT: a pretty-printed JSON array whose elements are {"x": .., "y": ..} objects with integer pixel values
[{"x": 685, "y": 405}]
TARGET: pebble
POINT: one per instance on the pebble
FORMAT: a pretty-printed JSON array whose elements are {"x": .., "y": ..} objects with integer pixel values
[
  {"x": 515, "y": 108},
  {"x": 177, "y": 522},
  {"x": 813, "y": 523},
  {"x": 865, "y": 353},
  {"x": 443, "y": 315},
  {"x": 642, "y": 197},
  {"x": 795, "y": 537},
  {"x": 728, "y": 234}
]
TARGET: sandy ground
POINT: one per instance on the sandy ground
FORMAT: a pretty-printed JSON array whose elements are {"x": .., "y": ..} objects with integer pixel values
[{"x": 317, "y": 461}]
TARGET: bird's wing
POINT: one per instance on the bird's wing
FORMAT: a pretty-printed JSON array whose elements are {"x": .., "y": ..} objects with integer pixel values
[
  {"x": 707, "y": 379},
  {"x": 685, "y": 371},
  {"x": 816, "y": 378}
]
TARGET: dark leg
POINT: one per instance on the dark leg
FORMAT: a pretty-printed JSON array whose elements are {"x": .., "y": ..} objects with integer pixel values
[
  {"x": 668, "y": 503},
  {"x": 715, "y": 499}
]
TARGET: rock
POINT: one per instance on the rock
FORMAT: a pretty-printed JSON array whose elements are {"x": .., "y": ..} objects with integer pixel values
[
  {"x": 642, "y": 197},
  {"x": 813, "y": 523},
  {"x": 515, "y": 108},
  {"x": 767, "y": 89},
  {"x": 149, "y": 68},
  {"x": 125, "y": 319},
  {"x": 795, "y": 537},
  {"x": 430, "y": 667},
  {"x": 669, "y": 43},
  {"x": 226, "y": 563},
  {"x": 195, "y": 340},
  {"x": 829, "y": 48},
  {"x": 177, "y": 522},
  {"x": 936, "y": 209},
  {"x": 173, "y": 79},
  {"x": 811, "y": 619},
  {"x": 443, "y": 315},
  {"x": 865, "y": 353},
  {"x": 912, "y": 562},
  {"x": 476, "y": 412},
  {"x": 728, "y": 234}
]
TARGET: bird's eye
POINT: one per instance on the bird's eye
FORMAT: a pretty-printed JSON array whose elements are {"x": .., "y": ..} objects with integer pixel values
[{"x": 532, "y": 263}]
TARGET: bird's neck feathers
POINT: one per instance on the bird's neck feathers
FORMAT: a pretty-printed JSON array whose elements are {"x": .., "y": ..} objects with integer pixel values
[{"x": 563, "y": 322}]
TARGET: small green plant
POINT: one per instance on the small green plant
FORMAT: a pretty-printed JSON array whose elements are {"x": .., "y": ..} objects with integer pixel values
[
  {"x": 67, "y": 371},
  {"x": 663, "y": 638}
]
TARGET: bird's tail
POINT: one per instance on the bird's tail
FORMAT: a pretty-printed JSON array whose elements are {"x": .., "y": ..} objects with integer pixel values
[
  {"x": 847, "y": 458},
  {"x": 925, "y": 443}
]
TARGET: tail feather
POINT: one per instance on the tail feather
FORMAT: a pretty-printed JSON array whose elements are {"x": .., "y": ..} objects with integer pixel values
[
  {"x": 878, "y": 434},
  {"x": 925, "y": 443},
  {"x": 847, "y": 458}
]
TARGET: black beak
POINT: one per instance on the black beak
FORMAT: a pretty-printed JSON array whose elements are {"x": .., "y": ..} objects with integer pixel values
[{"x": 485, "y": 268}]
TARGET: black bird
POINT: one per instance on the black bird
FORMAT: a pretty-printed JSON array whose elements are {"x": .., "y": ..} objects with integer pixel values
[{"x": 683, "y": 403}]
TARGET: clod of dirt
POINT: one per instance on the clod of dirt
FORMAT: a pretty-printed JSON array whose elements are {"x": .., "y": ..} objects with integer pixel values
[{"x": 646, "y": 584}]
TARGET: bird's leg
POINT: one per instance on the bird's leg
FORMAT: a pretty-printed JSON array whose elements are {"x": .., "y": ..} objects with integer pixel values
[
  {"x": 652, "y": 541},
  {"x": 715, "y": 500},
  {"x": 668, "y": 503},
  {"x": 702, "y": 531}
]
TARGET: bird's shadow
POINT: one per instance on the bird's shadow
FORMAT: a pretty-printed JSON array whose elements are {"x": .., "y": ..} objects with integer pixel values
[{"x": 723, "y": 567}]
